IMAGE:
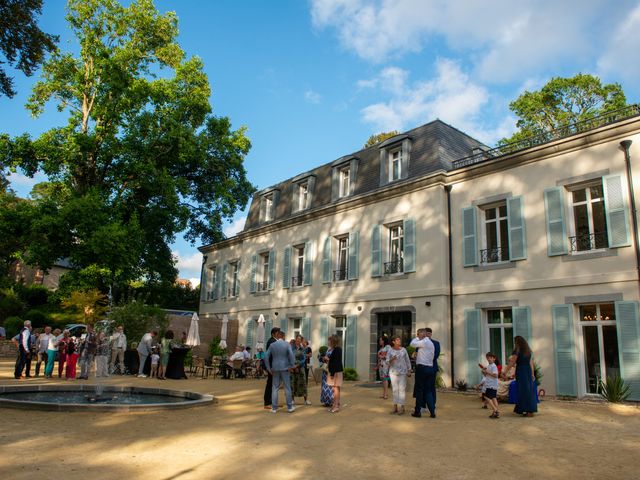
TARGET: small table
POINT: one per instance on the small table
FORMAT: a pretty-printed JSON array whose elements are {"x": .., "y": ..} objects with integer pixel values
[{"x": 175, "y": 366}]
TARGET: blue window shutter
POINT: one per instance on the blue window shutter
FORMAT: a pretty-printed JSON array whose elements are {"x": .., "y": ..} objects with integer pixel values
[
  {"x": 409, "y": 253},
  {"x": 223, "y": 289},
  {"x": 249, "y": 336},
  {"x": 268, "y": 325},
  {"x": 629, "y": 345},
  {"x": 617, "y": 211},
  {"x": 517, "y": 231},
  {"x": 566, "y": 381},
  {"x": 351, "y": 342},
  {"x": 254, "y": 267},
  {"x": 284, "y": 326},
  {"x": 376, "y": 252},
  {"x": 216, "y": 283},
  {"x": 286, "y": 268},
  {"x": 556, "y": 229},
  {"x": 272, "y": 269},
  {"x": 236, "y": 292},
  {"x": 306, "y": 328},
  {"x": 522, "y": 323},
  {"x": 354, "y": 248},
  {"x": 324, "y": 331},
  {"x": 326, "y": 261},
  {"x": 473, "y": 346},
  {"x": 308, "y": 264},
  {"x": 469, "y": 237}
]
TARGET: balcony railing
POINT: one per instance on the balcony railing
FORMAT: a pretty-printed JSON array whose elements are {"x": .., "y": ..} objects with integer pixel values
[
  {"x": 339, "y": 275},
  {"x": 588, "y": 241},
  {"x": 393, "y": 267},
  {"x": 262, "y": 286},
  {"x": 549, "y": 136},
  {"x": 296, "y": 281},
  {"x": 494, "y": 255}
]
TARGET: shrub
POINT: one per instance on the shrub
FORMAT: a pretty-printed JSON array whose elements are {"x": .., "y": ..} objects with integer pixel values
[
  {"x": 461, "y": 385},
  {"x": 13, "y": 325},
  {"x": 614, "y": 389},
  {"x": 10, "y": 304},
  {"x": 323, "y": 350},
  {"x": 439, "y": 380},
  {"x": 214, "y": 348},
  {"x": 537, "y": 371},
  {"x": 33, "y": 295},
  {"x": 138, "y": 318},
  {"x": 38, "y": 319},
  {"x": 350, "y": 374}
]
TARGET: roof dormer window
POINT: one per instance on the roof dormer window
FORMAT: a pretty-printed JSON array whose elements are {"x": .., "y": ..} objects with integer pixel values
[
  {"x": 344, "y": 177},
  {"x": 394, "y": 159},
  {"x": 268, "y": 204}
]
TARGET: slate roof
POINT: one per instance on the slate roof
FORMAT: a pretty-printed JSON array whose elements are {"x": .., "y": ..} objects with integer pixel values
[{"x": 434, "y": 146}]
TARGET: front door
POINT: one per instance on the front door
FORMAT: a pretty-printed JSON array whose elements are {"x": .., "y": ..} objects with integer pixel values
[{"x": 391, "y": 324}]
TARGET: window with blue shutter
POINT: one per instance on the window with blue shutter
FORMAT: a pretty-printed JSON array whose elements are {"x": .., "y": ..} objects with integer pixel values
[
  {"x": 250, "y": 333},
  {"x": 272, "y": 270},
  {"x": 409, "y": 253},
  {"x": 286, "y": 267},
  {"x": 473, "y": 345},
  {"x": 469, "y": 237},
  {"x": 351, "y": 342},
  {"x": 284, "y": 326},
  {"x": 268, "y": 325},
  {"x": 307, "y": 277},
  {"x": 566, "y": 379},
  {"x": 354, "y": 245},
  {"x": 306, "y": 328},
  {"x": 376, "y": 252},
  {"x": 629, "y": 345},
  {"x": 556, "y": 229},
  {"x": 522, "y": 323},
  {"x": 326, "y": 261},
  {"x": 617, "y": 211},
  {"x": 517, "y": 231},
  {"x": 254, "y": 268}
]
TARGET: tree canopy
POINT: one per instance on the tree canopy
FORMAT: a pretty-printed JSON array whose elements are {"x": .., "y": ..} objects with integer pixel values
[
  {"x": 22, "y": 44},
  {"x": 562, "y": 101},
  {"x": 141, "y": 157},
  {"x": 379, "y": 137}
]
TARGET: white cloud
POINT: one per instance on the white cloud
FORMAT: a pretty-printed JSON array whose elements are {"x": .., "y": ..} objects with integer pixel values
[
  {"x": 188, "y": 265},
  {"x": 312, "y": 97},
  {"x": 235, "y": 227},
  {"x": 451, "y": 95},
  {"x": 23, "y": 184},
  {"x": 194, "y": 281}
]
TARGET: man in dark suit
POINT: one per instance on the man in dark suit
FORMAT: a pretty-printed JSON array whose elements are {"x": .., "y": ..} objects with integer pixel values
[
  {"x": 436, "y": 354},
  {"x": 269, "y": 385}
]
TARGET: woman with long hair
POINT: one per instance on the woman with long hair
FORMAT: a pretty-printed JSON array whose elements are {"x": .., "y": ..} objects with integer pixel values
[
  {"x": 383, "y": 365},
  {"x": 335, "y": 378},
  {"x": 522, "y": 360}
]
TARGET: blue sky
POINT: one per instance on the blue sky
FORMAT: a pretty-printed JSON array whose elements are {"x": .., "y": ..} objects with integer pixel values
[{"x": 312, "y": 80}]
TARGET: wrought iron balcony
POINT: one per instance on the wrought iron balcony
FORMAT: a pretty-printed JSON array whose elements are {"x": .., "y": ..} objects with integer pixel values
[
  {"x": 339, "y": 275},
  {"x": 262, "y": 286},
  {"x": 494, "y": 255},
  {"x": 296, "y": 281},
  {"x": 393, "y": 267},
  {"x": 588, "y": 241}
]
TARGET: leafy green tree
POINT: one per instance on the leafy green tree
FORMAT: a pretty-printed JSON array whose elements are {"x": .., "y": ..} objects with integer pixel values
[
  {"x": 16, "y": 217},
  {"x": 88, "y": 305},
  {"x": 379, "y": 137},
  {"x": 22, "y": 44},
  {"x": 562, "y": 101},
  {"x": 138, "y": 318},
  {"x": 141, "y": 157}
]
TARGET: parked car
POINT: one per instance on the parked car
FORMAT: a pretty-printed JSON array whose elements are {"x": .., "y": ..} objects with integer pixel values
[{"x": 76, "y": 329}]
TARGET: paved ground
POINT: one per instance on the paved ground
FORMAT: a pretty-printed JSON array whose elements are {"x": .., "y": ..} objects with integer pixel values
[{"x": 237, "y": 439}]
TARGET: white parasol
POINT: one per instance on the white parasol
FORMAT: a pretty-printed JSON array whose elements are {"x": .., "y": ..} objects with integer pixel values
[
  {"x": 193, "y": 337},
  {"x": 223, "y": 331},
  {"x": 260, "y": 335}
]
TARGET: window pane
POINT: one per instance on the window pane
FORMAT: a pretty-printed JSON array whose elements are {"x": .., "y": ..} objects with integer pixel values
[
  {"x": 504, "y": 239},
  {"x": 600, "y": 225},
  {"x": 592, "y": 357},
  {"x": 508, "y": 343},
  {"x": 581, "y": 217},
  {"x": 596, "y": 191},
  {"x": 507, "y": 316},
  {"x": 492, "y": 235},
  {"x": 493, "y": 316},
  {"x": 340, "y": 322},
  {"x": 588, "y": 313},
  {"x": 611, "y": 357},
  {"x": 495, "y": 341},
  {"x": 503, "y": 210},
  {"x": 579, "y": 195},
  {"x": 607, "y": 311},
  {"x": 490, "y": 214}
]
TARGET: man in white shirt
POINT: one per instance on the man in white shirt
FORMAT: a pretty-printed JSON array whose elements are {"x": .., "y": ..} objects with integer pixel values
[
  {"x": 41, "y": 349},
  {"x": 425, "y": 374},
  {"x": 118, "y": 346},
  {"x": 237, "y": 355},
  {"x": 144, "y": 350},
  {"x": 23, "y": 342}
]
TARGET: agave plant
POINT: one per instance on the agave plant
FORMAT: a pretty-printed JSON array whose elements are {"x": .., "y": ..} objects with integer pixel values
[
  {"x": 461, "y": 385},
  {"x": 614, "y": 389}
]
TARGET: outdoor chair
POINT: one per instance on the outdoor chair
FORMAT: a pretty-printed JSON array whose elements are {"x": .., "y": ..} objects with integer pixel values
[
  {"x": 197, "y": 363},
  {"x": 237, "y": 369}
]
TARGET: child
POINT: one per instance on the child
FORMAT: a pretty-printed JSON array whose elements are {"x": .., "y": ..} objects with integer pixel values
[
  {"x": 155, "y": 360},
  {"x": 482, "y": 386},
  {"x": 490, "y": 373}
]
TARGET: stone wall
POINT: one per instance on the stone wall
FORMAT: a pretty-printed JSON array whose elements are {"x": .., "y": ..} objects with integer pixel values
[{"x": 8, "y": 349}]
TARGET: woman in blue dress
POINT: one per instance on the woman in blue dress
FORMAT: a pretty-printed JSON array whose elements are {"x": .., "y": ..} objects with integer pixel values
[
  {"x": 522, "y": 359},
  {"x": 326, "y": 392}
]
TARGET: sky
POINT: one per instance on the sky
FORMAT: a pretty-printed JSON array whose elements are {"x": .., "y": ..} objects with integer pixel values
[{"x": 313, "y": 79}]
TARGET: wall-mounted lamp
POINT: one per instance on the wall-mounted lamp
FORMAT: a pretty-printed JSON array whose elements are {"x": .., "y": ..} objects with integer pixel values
[
  {"x": 427, "y": 303},
  {"x": 359, "y": 308},
  {"x": 275, "y": 313}
]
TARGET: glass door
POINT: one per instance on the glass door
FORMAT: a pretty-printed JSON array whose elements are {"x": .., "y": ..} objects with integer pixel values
[
  {"x": 600, "y": 344},
  {"x": 500, "y": 324}
]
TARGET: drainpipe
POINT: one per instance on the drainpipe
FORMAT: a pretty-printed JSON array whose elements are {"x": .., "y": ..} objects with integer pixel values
[
  {"x": 202, "y": 286},
  {"x": 626, "y": 145},
  {"x": 447, "y": 188}
]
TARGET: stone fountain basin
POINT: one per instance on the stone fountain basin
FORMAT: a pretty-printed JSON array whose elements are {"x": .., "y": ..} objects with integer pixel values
[{"x": 75, "y": 398}]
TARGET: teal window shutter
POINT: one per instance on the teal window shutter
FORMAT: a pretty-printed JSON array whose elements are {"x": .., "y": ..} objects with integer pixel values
[
  {"x": 469, "y": 237},
  {"x": 473, "y": 346},
  {"x": 236, "y": 292},
  {"x": 254, "y": 267},
  {"x": 517, "y": 232},
  {"x": 307, "y": 276},
  {"x": 376, "y": 252},
  {"x": 249, "y": 337},
  {"x": 272, "y": 270},
  {"x": 351, "y": 342},
  {"x": 556, "y": 229},
  {"x": 306, "y": 328},
  {"x": 409, "y": 252},
  {"x": 286, "y": 268},
  {"x": 617, "y": 211},
  {"x": 354, "y": 247},
  {"x": 216, "y": 283},
  {"x": 566, "y": 381},
  {"x": 326, "y": 261},
  {"x": 223, "y": 289},
  {"x": 324, "y": 331},
  {"x": 268, "y": 325},
  {"x": 284, "y": 326},
  {"x": 522, "y": 323},
  {"x": 629, "y": 345}
]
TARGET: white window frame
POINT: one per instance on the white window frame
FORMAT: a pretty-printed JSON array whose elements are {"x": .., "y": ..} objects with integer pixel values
[
  {"x": 211, "y": 273},
  {"x": 263, "y": 284},
  {"x": 298, "y": 265},
  {"x": 340, "y": 326},
  {"x": 589, "y": 203},
  {"x": 303, "y": 195},
  {"x": 393, "y": 159},
  {"x": 498, "y": 326},
  {"x": 268, "y": 207},
  {"x": 483, "y": 234},
  {"x": 344, "y": 181},
  {"x": 342, "y": 253},
  {"x": 296, "y": 323},
  {"x": 233, "y": 279},
  {"x": 399, "y": 237}
]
